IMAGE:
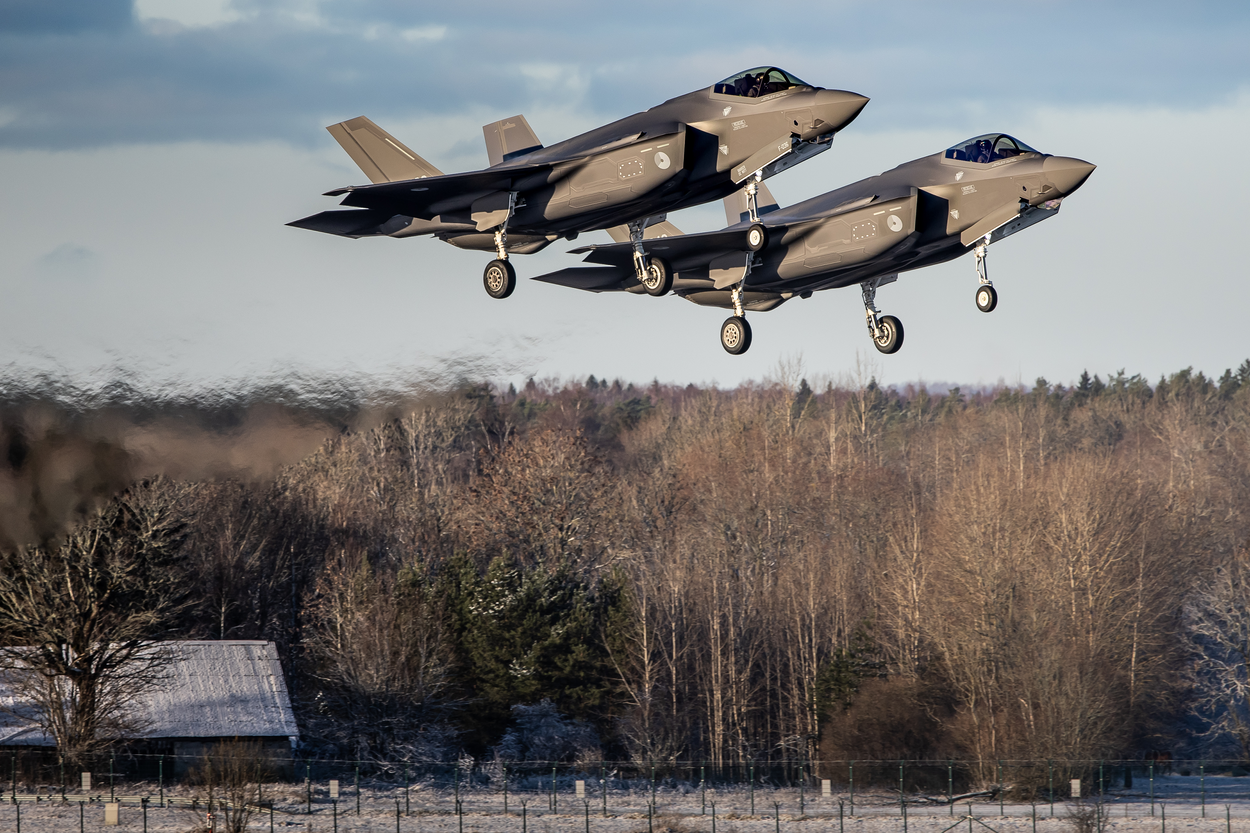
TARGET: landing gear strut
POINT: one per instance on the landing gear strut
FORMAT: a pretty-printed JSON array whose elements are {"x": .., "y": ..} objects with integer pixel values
[
  {"x": 499, "y": 277},
  {"x": 886, "y": 331},
  {"x": 987, "y": 296},
  {"x": 653, "y": 273},
  {"x": 752, "y": 190},
  {"x": 735, "y": 333}
]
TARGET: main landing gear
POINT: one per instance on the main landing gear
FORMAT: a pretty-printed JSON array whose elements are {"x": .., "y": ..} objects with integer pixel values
[
  {"x": 499, "y": 277},
  {"x": 735, "y": 333},
  {"x": 987, "y": 296},
  {"x": 653, "y": 272},
  {"x": 886, "y": 331}
]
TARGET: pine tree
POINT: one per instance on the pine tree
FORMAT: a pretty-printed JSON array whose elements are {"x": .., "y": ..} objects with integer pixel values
[{"x": 526, "y": 635}]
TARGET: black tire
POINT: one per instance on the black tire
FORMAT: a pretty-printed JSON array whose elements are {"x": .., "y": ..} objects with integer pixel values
[
  {"x": 987, "y": 298},
  {"x": 499, "y": 279},
  {"x": 891, "y": 338},
  {"x": 735, "y": 335},
  {"x": 659, "y": 278},
  {"x": 757, "y": 237}
]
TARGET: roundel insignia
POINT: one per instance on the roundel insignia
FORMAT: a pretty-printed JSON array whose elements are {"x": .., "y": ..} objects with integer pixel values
[
  {"x": 894, "y": 222},
  {"x": 662, "y": 161}
]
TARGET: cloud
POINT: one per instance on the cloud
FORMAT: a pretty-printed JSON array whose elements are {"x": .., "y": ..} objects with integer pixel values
[
  {"x": 83, "y": 74},
  {"x": 186, "y": 12},
  {"x": 68, "y": 261},
  {"x": 27, "y": 17}
]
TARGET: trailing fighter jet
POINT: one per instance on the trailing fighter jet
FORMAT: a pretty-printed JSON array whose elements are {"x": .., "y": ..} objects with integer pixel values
[
  {"x": 926, "y": 211},
  {"x": 691, "y": 149}
]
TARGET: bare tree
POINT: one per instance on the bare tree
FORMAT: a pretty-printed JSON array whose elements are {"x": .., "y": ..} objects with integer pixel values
[
  {"x": 541, "y": 500},
  {"x": 78, "y": 620},
  {"x": 379, "y": 650},
  {"x": 229, "y": 776},
  {"x": 1217, "y": 633}
]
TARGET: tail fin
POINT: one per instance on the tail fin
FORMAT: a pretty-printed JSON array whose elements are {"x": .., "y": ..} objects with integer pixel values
[
  {"x": 652, "y": 231},
  {"x": 380, "y": 155},
  {"x": 508, "y": 139},
  {"x": 736, "y": 210}
]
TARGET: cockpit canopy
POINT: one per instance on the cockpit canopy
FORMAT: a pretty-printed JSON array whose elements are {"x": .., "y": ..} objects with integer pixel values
[
  {"x": 758, "y": 82},
  {"x": 988, "y": 148}
]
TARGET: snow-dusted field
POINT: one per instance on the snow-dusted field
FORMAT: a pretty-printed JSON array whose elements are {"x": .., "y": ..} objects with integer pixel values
[{"x": 1179, "y": 805}]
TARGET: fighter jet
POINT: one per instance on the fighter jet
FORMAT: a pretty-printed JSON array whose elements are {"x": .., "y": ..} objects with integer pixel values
[
  {"x": 697, "y": 147},
  {"x": 927, "y": 211}
]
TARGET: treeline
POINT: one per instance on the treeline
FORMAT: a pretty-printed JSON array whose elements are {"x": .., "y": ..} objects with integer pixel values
[{"x": 744, "y": 575}]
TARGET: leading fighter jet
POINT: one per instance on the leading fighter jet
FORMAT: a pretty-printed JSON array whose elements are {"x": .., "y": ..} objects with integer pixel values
[
  {"x": 926, "y": 211},
  {"x": 691, "y": 149}
]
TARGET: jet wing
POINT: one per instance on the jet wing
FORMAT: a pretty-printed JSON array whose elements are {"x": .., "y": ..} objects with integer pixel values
[
  {"x": 430, "y": 196},
  {"x": 685, "y": 251},
  {"x": 682, "y": 251}
]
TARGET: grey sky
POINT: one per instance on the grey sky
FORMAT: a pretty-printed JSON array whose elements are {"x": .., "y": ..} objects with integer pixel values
[{"x": 151, "y": 153}]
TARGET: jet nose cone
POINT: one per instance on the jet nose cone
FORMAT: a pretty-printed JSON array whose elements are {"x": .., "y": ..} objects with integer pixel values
[
  {"x": 1065, "y": 173},
  {"x": 837, "y": 108}
]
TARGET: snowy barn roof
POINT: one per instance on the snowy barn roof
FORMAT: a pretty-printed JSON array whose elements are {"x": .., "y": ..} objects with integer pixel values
[
  {"x": 212, "y": 690},
  {"x": 17, "y": 724},
  {"x": 221, "y": 689}
]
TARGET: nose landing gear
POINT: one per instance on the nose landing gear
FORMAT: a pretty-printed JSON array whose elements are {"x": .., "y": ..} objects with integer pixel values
[
  {"x": 499, "y": 278},
  {"x": 735, "y": 333},
  {"x": 987, "y": 296}
]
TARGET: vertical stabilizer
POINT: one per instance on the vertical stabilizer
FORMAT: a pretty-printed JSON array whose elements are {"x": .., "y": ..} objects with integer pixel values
[
  {"x": 653, "y": 231},
  {"x": 380, "y": 155},
  {"x": 736, "y": 204},
  {"x": 508, "y": 139}
]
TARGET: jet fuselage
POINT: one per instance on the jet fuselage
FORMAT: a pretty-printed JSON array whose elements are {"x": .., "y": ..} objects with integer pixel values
[
  {"x": 689, "y": 150},
  {"x": 927, "y": 211}
]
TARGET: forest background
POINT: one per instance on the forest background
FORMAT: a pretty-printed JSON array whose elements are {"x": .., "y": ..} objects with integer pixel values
[{"x": 681, "y": 573}]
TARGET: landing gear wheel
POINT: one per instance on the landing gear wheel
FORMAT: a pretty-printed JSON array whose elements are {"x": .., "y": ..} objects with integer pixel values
[
  {"x": 757, "y": 237},
  {"x": 890, "y": 334},
  {"x": 499, "y": 279},
  {"x": 658, "y": 279},
  {"x": 987, "y": 298},
  {"x": 735, "y": 335}
]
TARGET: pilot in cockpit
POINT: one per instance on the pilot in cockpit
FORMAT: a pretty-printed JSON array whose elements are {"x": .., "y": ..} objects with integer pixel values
[
  {"x": 748, "y": 85},
  {"x": 988, "y": 148},
  {"x": 757, "y": 83}
]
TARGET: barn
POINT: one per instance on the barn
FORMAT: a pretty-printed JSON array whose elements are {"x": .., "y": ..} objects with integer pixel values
[{"x": 214, "y": 691}]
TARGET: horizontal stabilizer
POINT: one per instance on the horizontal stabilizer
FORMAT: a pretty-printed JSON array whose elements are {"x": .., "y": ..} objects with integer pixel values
[
  {"x": 345, "y": 223},
  {"x": 589, "y": 278},
  {"x": 380, "y": 155},
  {"x": 736, "y": 209},
  {"x": 508, "y": 139}
]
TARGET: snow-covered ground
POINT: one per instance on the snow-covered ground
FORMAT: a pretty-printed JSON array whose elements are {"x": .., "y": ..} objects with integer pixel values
[{"x": 1183, "y": 804}]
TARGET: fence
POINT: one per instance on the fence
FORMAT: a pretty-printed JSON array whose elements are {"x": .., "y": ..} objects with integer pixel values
[
  {"x": 615, "y": 796},
  {"x": 1021, "y": 779}
]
